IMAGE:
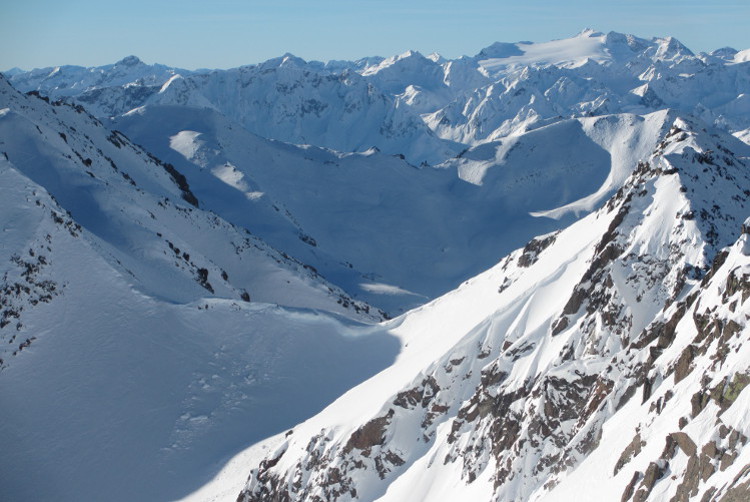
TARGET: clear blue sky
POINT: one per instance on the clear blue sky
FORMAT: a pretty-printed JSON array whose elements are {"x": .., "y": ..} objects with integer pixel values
[{"x": 227, "y": 33}]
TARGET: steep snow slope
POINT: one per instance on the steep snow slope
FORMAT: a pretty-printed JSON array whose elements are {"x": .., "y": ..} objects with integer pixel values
[
  {"x": 145, "y": 340},
  {"x": 118, "y": 192},
  {"x": 372, "y": 223},
  {"x": 592, "y": 157},
  {"x": 518, "y": 376}
]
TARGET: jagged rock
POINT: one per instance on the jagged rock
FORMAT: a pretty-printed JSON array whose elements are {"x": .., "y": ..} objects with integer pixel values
[
  {"x": 738, "y": 492},
  {"x": 653, "y": 473},
  {"x": 688, "y": 487},
  {"x": 627, "y": 494},
  {"x": 706, "y": 467},
  {"x": 532, "y": 250},
  {"x": 632, "y": 450},
  {"x": 686, "y": 444},
  {"x": 683, "y": 366},
  {"x": 369, "y": 435},
  {"x": 419, "y": 395}
]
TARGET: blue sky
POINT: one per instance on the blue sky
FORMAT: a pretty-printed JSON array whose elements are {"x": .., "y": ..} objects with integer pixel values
[{"x": 227, "y": 33}]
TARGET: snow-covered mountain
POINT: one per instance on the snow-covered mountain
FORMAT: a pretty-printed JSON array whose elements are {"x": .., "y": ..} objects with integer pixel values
[
  {"x": 284, "y": 98},
  {"x": 210, "y": 260},
  {"x": 609, "y": 358},
  {"x": 592, "y": 74},
  {"x": 60, "y": 81},
  {"x": 144, "y": 338},
  {"x": 425, "y": 108}
]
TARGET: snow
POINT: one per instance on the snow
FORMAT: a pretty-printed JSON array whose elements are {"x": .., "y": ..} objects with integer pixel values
[
  {"x": 230, "y": 480},
  {"x": 165, "y": 334},
  {"x": 186, "y": 143},
  {"x": 132, "y": 365},
  {"x": 419, "y": 106},
  {"x": 385, "y": 289},
  {"x": 742, "y": 56},
  {"x": 369, "y": 196},
  {"x": 588, "y": 44}
]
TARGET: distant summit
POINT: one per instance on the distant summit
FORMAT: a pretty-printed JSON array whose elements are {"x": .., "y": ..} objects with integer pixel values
[{"x": 129, "y": 61}]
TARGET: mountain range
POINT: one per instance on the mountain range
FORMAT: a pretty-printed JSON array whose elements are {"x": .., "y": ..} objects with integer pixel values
[{"x": 521, "y": 275}]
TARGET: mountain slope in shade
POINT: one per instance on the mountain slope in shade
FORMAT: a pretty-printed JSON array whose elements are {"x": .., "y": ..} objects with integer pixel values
[
  {"x": 286, "y": 100},
  {"x": 355, "y": 217},
  {"x": 632, "y": 319},
  {"x": 145, "y": 339},
  {"x": 116, "y": 191}
]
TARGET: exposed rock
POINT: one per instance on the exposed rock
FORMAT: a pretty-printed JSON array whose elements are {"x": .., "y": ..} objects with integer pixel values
[
  {"x": 627, "y": 494},
  {"x": 631, "y": 451},
  {"x": 686, "y": 444},
  {"x": 418, "y": 395},
  {"x": 684, "y": 363},
  {"x": 531, "y": 251},
  {"x": 738, "y": 492},
  {"x": 654, "y": 472},
  {"x": 690, "y": 480},
  {"x": 369, "y": 435}
]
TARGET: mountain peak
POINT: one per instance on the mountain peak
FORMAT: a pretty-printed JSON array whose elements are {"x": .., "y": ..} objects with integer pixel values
[
  {"x": 13, "y": 71},
  {"x": 499, "y": 50},
  {"x": 726, "y": 53},
  {"x": 589, "y": 33},
  {"x": 286, "y": 60},
  {"x": 129, "y": 61},
  {"x": 436, "y": 57},
  {"x": 671, "y": 48},
  {"x": 409, "y": 53}
]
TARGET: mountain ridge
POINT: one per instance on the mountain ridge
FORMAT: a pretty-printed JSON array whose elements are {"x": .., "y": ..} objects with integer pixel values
[
  {"x": 590, "y": 73},
  {"x": 528, "y": 390}
]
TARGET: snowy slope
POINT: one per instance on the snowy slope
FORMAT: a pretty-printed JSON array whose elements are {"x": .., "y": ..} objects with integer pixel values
[
  {"x": 118, "y": 192},
  {"x": 145, "y": 339},
  {"x": 592, "y": 157},
  {"x": 542, "y": 367}
]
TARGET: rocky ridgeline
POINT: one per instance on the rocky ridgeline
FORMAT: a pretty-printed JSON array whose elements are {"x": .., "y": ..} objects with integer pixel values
[{"x": 655, "y": 330}]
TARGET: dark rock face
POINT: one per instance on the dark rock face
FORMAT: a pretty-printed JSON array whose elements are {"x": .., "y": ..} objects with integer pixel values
[
  {"x": 739, "y": 491},
  {"x": 532, "y": 250},
  {"x": 627, "y": 494},
  {"x": 632, "y": 450},
  {"x": 685, "y": 443},
  {"x": 653, "y": 473},
  {"x": 369, "y": 435}
]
